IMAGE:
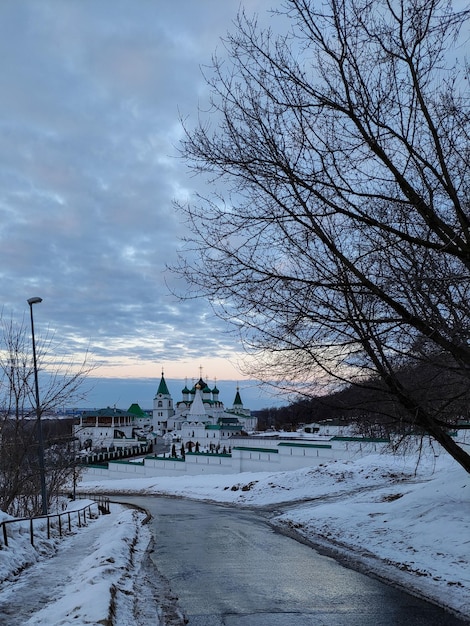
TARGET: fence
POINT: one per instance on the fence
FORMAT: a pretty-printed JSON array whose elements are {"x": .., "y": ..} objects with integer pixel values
[
  {"x": 56, "y": 524},
  {"x": 114, "y": 454}
]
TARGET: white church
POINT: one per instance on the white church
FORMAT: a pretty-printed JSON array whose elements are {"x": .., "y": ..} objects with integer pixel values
[
  {"x": 198, "y": 420},
  {"x": 200, "y": 417},
  {"x": 208, "y": 438}
]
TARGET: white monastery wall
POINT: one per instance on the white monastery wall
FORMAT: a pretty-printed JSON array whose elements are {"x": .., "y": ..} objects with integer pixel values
[{"x": 279, "y": 456}]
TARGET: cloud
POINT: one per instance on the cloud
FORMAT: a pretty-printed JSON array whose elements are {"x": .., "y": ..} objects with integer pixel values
[{"x": 89, "y": 124}]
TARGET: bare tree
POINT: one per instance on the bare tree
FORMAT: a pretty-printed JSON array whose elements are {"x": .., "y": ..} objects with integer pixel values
[
  {"x": 60, "y": 384},
  {"x": 337, "y": 238}
]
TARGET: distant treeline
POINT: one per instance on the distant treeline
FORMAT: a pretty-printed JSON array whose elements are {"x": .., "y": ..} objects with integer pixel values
[{"x": 374, "y": 410}]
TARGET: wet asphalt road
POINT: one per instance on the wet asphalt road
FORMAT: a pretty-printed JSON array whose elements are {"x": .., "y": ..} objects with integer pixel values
[{"x": 229, "y": 568}]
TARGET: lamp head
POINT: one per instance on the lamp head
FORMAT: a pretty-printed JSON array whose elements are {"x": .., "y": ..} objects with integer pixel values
[{"x": 36, "y": 300}]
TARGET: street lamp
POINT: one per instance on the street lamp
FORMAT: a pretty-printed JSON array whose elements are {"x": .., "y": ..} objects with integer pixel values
[{"x": 42, "y": 470}]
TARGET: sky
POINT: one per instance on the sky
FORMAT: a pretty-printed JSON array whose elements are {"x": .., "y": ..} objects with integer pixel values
[
  {"x": 404, "y": 521},
  {"x": 92, "y": 97},
  {"x": 122, "y": 392}
]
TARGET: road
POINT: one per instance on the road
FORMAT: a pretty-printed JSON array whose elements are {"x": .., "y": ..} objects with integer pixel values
[{"x": 228, "y": 567}]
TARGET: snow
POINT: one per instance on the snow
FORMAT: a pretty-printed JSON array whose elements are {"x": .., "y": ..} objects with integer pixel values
[
  {"x": 80, "y": 578},
  {"x": 405, "y": 521}
]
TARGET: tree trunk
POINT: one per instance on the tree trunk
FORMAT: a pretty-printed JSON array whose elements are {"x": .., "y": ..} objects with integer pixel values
[{"x": 450, "y": 446}]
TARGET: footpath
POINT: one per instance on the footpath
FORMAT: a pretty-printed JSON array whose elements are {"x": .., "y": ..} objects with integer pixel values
[{"x": 98, "y": 575}]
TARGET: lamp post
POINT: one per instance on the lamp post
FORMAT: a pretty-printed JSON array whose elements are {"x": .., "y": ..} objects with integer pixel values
[{"x": 42, "y": 470}]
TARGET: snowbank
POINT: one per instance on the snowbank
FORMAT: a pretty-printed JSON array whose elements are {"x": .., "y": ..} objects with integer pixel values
[{"x": 403, "y": 521}]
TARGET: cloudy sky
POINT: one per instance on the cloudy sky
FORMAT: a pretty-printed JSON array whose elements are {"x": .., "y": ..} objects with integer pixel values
[{"x": 91, "y": 94}]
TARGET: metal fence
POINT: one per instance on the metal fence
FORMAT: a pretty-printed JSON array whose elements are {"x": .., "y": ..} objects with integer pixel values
[
  {"x": 55, "y": 525},
  {"x": 114, "y": 454}
]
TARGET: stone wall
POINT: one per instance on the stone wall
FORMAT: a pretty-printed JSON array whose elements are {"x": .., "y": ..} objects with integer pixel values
[{"x": 253, "y": 456}]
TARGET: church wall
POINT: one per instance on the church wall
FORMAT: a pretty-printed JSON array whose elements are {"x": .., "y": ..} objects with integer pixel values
[
  {"x": 256, "y": 460},
  {"x": 129, "y": 469},
  {"x": 164, "y": 467},
  {"x": 102, "y": 436},
  {"x": 200, "y": 463},
  {"x": 292, "y": 457},
  {"x": 257, "y": 442},
  {"x": 287, "y": 456}
]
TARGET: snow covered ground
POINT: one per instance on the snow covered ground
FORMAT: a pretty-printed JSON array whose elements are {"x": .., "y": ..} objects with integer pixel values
[
  {"x": 88, "y": 577},
  {"x": 407, "y": 522}
]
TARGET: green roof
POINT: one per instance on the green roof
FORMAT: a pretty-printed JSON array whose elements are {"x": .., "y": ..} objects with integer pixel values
[
  {"x": 250, "y": 449},
  {"x": 238, "y": 400},
  {"x": 137, "y": 411},
  {"x": 291, "y": 444},
  {"x": 361, "y": 439},
  {"x": 162, "y": 388},
  {"x": 107, "y": 412},
  {"x": 228, "y": 420}
]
